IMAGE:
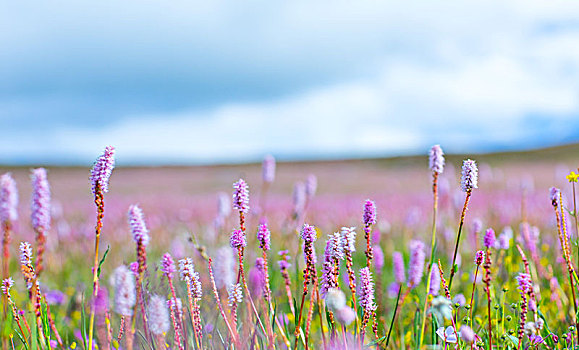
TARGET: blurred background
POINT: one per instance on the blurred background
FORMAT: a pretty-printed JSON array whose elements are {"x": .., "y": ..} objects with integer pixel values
[{"x": 186, "y": 82}]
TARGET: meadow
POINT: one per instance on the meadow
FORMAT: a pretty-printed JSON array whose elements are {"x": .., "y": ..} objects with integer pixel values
[{"x": 305, "y": 255}]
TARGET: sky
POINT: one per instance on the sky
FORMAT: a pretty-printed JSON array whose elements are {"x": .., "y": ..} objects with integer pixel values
[{"x": 203, "y": 82}]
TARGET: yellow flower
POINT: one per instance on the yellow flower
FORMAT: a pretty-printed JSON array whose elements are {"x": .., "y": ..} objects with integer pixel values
[{"x": 572, "y": 177}]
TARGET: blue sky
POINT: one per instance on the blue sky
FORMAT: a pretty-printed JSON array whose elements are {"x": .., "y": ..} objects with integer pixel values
[{"x": 210, "y": 82}]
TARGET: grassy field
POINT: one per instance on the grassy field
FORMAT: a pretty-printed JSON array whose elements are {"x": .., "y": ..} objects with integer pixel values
[{"x": 181, "y": 210}]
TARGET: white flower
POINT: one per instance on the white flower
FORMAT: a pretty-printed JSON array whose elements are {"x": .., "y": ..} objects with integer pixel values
[
  {"x": 441, "y": 308},
  {"x": 448, "y": 335}
]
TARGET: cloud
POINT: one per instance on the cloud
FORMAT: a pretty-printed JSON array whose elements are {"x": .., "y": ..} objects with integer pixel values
[{"x": 210, "y": 82}]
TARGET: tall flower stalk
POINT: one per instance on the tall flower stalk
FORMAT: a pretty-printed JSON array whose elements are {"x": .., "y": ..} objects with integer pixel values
[
  {"x": 309, "y": 236},
  {"x": 573, "y": 178},
  {"x": 8, "y": 215},
  {"x": 168, "y": 269},
  {"x": 158, "y": 316},
  {"x": 232, "y": 330},
  {"x": 141, "y": 237},
  {"x": 40, "y": 216},
  {"x": 489, "y": 241},
  {"x": 468, "y": 182},
  {"x": 478, "y": 260},
  {"x": 238, "y": 241},
  {"x": 125, "y": 300},
  {"x": 524, "y": 285},
  {"x": 436, "y": 164},
  {"x": 7, "y": 283},
  {"x": 30, "y": 277},
  {"x": 349, "y": 242},
  {"x": 369, "y": 219},
  {"x": 557, "y": 203},
  {"x": 366, "y": 299},
  {"x": 241, "y": 201},
  {"x": 263, "y": 237},
  {"x": 100, "y": 175},
  {"x": 194, "y": 293},
  {"x": 284, "y": 265}
]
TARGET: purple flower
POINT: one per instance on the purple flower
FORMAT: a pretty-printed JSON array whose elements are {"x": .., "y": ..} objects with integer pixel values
[
  {"x": 237, "y": 239},
  {"x": 416, "y": 264},
  {"x": 241, "y": 196},
  {"x": 40, "y": 201},
  {"x": 349, "y": 238},
  {"x": 167, "y": 265},
  {"x": 477, "y": 225},
  {"x": 8, "y": 199},
  {"x": 268, "y": 169},
  {"x": 256, "y": 278},
  {"x": 398, "y": 264},
  {"x": 469, "y": 178},
  {"x": 504, "y": 241},
  {"x": 187, "y": 273},
  {"x": 284, "y": 262},
  {"x": 102, "y": 170},
  {"x": 489, "y": 239},
  {"x": 175, "y": 305},
  {"x": 393, "y": 289},
  {"x": 134, "y": 267},
  {"x": 101, "y": 302},
  {"x": 334, "y": 252},
  {"x": 158, "y": 315},
  {"x": 536, "y": 339},
  {"x": 56, "y": 297},
  {"x": 235, "y": 294},
  {"x": 299, "y": 197},
  {"x": 554, "y": 195},
  {"x": 369, "y": 213},
  {"x": 186, "y": 269},
  {"x": 479, "y": 257},
  {"x": 378, "y": 258},
  {"x": 7, "y": 283},
  {"x": 459, "y": 299},
  {"x": 524, "y": 282},
  {"x": 436, "y": 159},
  {"x": 309, "y": 233},
  {"x": 138, "y": 227},
  {"x": 25, "y": 253},
  {"x": 311, "y": 186},
  {"x": 434, "y": 280},
  {"x": 366, "y": 290},
  {"x": 263, "y": 236}
]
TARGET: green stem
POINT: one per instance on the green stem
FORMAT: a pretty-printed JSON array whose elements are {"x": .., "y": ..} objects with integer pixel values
[
  {"x": 432, "y": 251},
  {"x": 453, "y": 268},
  {"x": 393, "y": 316}
]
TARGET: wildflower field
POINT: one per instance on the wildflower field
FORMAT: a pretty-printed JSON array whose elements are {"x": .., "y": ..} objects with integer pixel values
[{"x": 473, "y": 252}]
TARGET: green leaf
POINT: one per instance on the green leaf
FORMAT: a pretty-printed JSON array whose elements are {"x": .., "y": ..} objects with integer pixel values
[
  {"x": 296, "y": 308},
  {"x": 21, "y": 337},
  {"x": 377, "y": 341},
  {"x": 103, "y": 260},
  {"x": 83, "y": 322}
]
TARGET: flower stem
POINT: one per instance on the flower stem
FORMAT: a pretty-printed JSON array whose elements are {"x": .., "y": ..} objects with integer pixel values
[
  {"x": 453, "y": 267},
  {"x": 393, "y": 316},
  {"x": 433, "y": 246},
  {"x": 99, "y": 201}
]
